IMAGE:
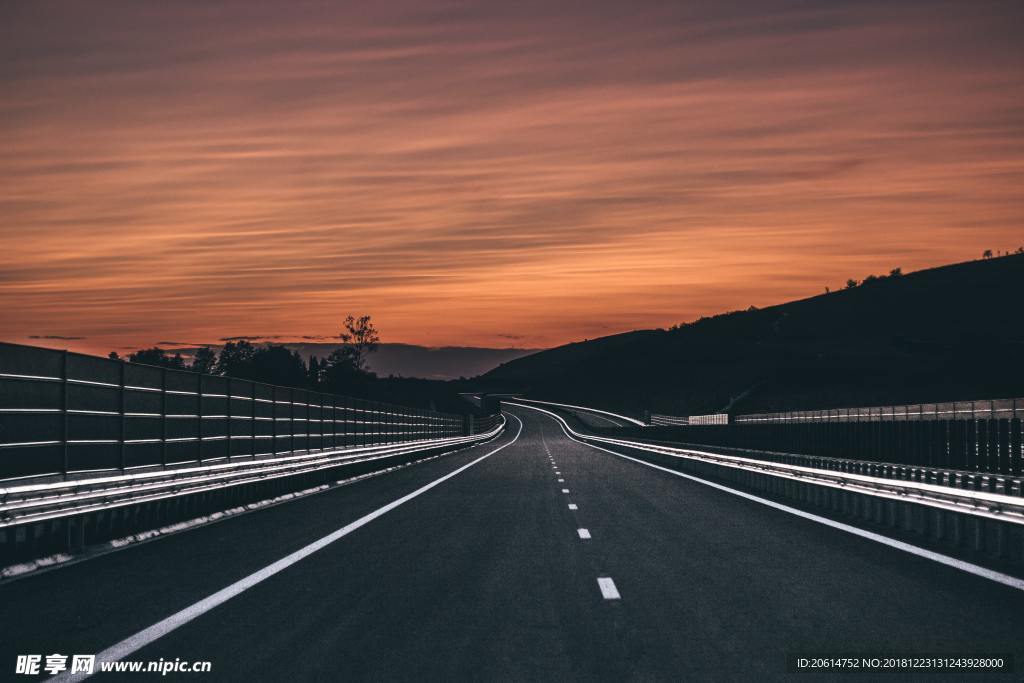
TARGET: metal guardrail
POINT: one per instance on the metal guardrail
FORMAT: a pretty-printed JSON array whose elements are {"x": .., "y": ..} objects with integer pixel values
[
  {"x": 32, "y": 503},
  {"x": 479, "y": 425},
  {"x": 975, "y": 481},
  {"x": 64, "y": 413},
  {"x": 996, "y": 506}
]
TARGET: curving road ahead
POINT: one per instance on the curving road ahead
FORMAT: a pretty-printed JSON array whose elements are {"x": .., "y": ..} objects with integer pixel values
[{"x": 537, "y": 558}]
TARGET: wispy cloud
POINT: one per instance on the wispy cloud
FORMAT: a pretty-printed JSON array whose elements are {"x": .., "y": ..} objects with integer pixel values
[
  {"x": 54, "y": 336},
  {"x": 461, "y": 169}
]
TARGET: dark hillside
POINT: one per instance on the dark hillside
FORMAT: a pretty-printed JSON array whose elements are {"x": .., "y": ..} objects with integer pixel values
[{"x": 953, "y": 332}]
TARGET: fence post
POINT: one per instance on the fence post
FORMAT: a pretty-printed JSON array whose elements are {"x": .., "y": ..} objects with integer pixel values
[
  {"x": 199, "y": 418},
  {"x": 227, "y": 410},
  {"x": 273, "y": 418},
  {"x": 252, "y": 394},
  {"x": 64, "y": 408},
  {"x": 163, "y": 417},
  {"x": 121, "y": 411}
]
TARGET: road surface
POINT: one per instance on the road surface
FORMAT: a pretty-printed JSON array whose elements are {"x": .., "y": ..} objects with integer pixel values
[{"x": 545, "y": 560}]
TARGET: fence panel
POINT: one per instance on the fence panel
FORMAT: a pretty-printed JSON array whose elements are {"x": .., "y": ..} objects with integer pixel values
[
  {"x": 64, "y": 413},
  {"x": 980, "y": 435}
]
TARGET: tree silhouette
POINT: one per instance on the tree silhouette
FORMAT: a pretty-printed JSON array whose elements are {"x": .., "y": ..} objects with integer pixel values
[
  {"x": 271, "y": 364},
  {"x": 159, "y": 357},
  {"x": 987, "y": 253},
  {"x": 316, "y": 371},
  {"x": 851, "y": 283},
  {"x": 274, "y": 364},
  {"x": 345, "y": 370},
  {"x": 358, "y": 339},
  {"x": 204, "y": 361},
  {"x": 235, "y": 358}
]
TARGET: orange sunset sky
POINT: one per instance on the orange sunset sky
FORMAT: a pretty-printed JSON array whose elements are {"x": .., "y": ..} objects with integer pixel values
[{"x": 487, "y": 173}]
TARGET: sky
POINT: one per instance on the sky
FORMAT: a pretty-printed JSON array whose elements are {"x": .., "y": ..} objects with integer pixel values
[{"x": 487, "y": 173}]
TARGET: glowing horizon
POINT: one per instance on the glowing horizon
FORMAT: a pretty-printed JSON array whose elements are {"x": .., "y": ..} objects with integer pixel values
[{"x": 488, "y": 174}]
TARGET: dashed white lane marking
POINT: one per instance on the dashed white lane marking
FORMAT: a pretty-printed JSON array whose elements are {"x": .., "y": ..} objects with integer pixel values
[
  {"x": 561, "y": 481},
  {"x": 161, "y": 628},
  {"x": 976, "y": 570},
  {"x": 608, "y": 589},
  {"x": 565, "y": 490},
  {"x": 584, "y": 533},
  {"x": 573, "y": 506}
]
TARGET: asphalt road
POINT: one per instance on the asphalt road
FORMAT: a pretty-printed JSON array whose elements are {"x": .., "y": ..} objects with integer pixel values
[{"x": 486, "y": 576}]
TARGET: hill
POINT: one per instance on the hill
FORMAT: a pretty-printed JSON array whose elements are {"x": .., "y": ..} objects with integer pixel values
[{"x": 953, "y": 332}]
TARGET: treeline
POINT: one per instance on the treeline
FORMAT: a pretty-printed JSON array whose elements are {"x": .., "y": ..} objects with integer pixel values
[{"x": 343, "y": 371}]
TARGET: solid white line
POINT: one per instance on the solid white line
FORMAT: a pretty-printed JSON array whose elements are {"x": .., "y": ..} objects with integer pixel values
[
  {"x": 178, "y": 619},
  {"x": 565, "y": 490},
  {"x": 584, "y": 533},
  {"x": 573, "y": 506},
  {"x": 608, "y": 589},
  {"x": 991, "y": 575}
]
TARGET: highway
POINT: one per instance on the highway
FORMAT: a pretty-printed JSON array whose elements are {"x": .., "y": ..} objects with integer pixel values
[{"x": 532, "y": 557}]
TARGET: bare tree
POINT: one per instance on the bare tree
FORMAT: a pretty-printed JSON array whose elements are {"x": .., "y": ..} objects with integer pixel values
[{"x": 359, "y": 339}]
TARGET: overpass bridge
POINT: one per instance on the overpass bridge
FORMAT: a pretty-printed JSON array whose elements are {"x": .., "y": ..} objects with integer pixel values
[{"x": 540, "y": 547}]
